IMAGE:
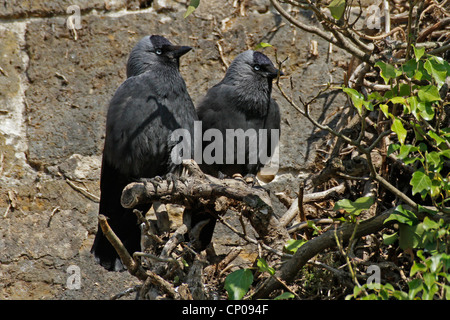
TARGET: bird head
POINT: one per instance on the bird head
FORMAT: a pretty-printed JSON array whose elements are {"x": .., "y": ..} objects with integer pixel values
[
  {"x": 154, "y": 50},
  {"x": 253, "y": 65}
]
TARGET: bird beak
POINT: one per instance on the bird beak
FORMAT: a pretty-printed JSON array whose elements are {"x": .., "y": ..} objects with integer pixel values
[
  {"x": 274, "y": 72},
  {"x": 178, "y": 51}
]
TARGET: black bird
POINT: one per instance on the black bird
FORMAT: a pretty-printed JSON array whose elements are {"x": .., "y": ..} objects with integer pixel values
[
  {"x": 147, "y": 107},
  {"x": 242, "y": 100}
]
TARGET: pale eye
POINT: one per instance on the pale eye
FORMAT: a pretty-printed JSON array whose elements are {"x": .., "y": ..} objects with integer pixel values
[
  {"x": 158, "y": 52},
  {"x": 257, "y": 67}
]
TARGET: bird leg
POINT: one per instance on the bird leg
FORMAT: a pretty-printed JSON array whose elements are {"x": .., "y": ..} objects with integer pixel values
[
  {"x": 251, "y": 179},
  {"x": 162, "y": 217},
  {"x": 192, "y": 169},
  {"x": 194, "y": 233},
  {"x": 221, "y": 175},
  {"x": 154, "y": 181},
  {"x": 170, "y": 177}
]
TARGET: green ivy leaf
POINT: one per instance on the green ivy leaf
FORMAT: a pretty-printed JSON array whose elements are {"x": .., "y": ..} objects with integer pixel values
[
  {"x": 390, "y": 238},
  {"x": 436, "y": 184},
  {"x": 392, "y": 148},
  {"x": 263, "y": 45},
  {"x": 403, "y": 216},
  {"x": 337, "y": 8},
  {"x": 436, "y": 137},
  {"x": 191, "y": 8},
  {"x": 404, "y": 90},
  {"x": 429, "y": 224},
  {"x": 421, "y": 183},
  {"x": 436, "y": 68},
  {"x": 293, "y": 245},
  {"x": 410, "y": 236},
  {"x": 385, "y": 109},
  {"x": 415, "y": 286},
  {"x": 398, "y": 128},
  {"x": 405, "y": 150},
  {"x": 426, "y": 110},
  {"x": 413, "y": 102},
  {"x": 411, "y": 160},
  {"x": 238, "y": 283},
  {"x": 375, "y": 95},
  {"x": 354, "y": 208},
  {"x": 418, "y": 52},
  {"x": 400, "y": 100},
  {"x": 409, "y": 68},
  {"x": 264, "y": 266},
  {"x": 421, "y": 72},
  {"x": 356, "y": 97},
  {"x": 429, "y": 93},
  {"x": 387, "y": 71},
  {"x": 445, "y": 153},
  {"x": 418, "y": 131},
  {"x": 434, "y": 158},
  {"x": 285, "y": 296}
]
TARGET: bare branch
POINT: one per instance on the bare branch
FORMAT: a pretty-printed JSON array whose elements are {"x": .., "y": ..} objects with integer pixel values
[
  {"x": 131, "y": 265},
  {"x": 290, "y": 269}
]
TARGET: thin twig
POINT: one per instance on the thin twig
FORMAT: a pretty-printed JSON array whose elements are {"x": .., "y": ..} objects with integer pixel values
[
  {"x": 51, "y": 215},
  {"x": 133, "y": 267},
  {"x": 336, "y": 39},
  {"x": 83, "y": 191},
  {"x": 409, "y": 38},
  {"x": 253, "y": 241},
  {"x": 301, "y": 210}
]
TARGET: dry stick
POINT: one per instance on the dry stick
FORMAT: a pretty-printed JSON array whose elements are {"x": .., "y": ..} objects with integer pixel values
[
  {"x": 301, "y": 225},
  {"x": 337, "y": 39},
  {"x": 409, "y": 38},
  {"x": 233, "y": 254},
  {"x": 156, "y": 258},
  {"x": 51, "y": 215},
  {"x": 83, "y": 191},
  {"x": 318, "y": 196},
  {"x": 134, "y": 268},
  {"x": 174, "y": 240},
  {"x": 153, "y": 278},
  {"x": 365, "y": 151},
  {"x": 440, "y": 50},
  {"x": 251, "y": 240},
  {"x": 301, "y": 210},
  {"x": 342, "y": 33},
  {"x": 438, "y": 25},
  {"x": 290, "y": 268},
  {"x": 209, "y": 188},
  {"x": 126, "y": 292}
]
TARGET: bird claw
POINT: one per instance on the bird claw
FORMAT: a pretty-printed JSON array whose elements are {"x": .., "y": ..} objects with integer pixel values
[
  {"x": 155, "y": 181},
  {"x": 250, "y": 178},
  {"x": 221, "y": 175},
  {"x": 170, "y": 177}
]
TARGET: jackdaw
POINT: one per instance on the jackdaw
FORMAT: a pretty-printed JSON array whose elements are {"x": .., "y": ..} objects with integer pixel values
[
  {"x": 242, "y": 100},
  {"x": 146, "y": 108}
]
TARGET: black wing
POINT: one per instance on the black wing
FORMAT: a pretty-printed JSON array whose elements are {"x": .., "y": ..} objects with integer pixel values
[
  {"x": 221, "y": 110},
  {"x": 137, "y": 145}
]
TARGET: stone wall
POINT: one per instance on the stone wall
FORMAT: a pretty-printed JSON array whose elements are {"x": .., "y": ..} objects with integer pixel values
[{"x": 55, "y": 85}]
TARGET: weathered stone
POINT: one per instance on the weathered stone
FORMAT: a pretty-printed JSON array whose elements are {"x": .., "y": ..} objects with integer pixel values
[
  {"x": 13, "y": 9},
  {"x": 53, "y": 102},
  {"x": 12, "y": 129},
  {"x": 79, "y": 167}
]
